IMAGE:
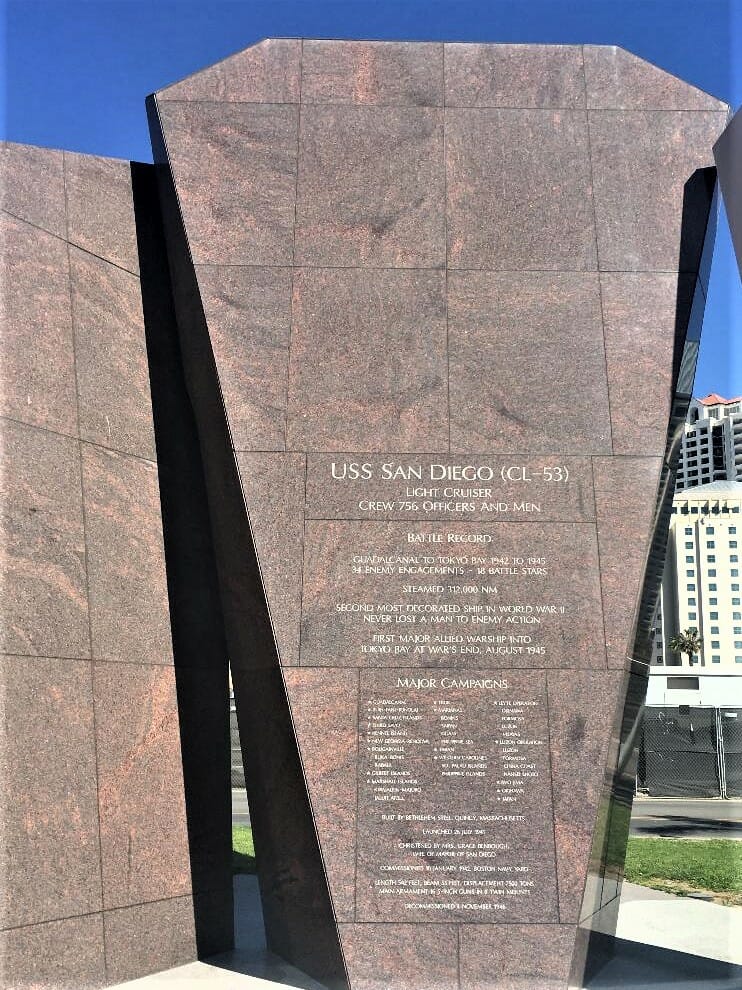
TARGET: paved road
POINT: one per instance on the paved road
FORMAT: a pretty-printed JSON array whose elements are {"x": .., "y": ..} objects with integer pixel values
[
  {"x": 240, "y": 810},
  {"x": 687, "y": 818}
]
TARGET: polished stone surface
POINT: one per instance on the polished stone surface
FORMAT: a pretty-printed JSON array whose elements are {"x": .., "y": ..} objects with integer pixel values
[
  {"x": 144, "y": 849},
  {"x": 407, "y": 957},
  {"x": 246, "y": 215},
  {"x": 50, "y": 860},
  {"x": 481, "y": 243},
  {"x": 527, "y": 365},
  {"x": 37, "y": 377},
  {"x": 571, "y": 638},
  {"x": 625, "y": 495},
  {"x": 539, "y": 212},
  {"x": 250, "y": 309},
  {"x": 324, "y": 706},
  {"x": 519, "y": 76},
  {"x": 126, "y": 567},
  {"x": 645, "y": 316},
  {"x": 265, "y": 73},
  {"x": 33, "y": 186},
  {"x": 147, "y": 937},
  {"x": 616, "y": 79},
  {"x": 100, "y": 208},
  {"x": 515, "y": 957},
  {"x": 372, "y": 73},
  {"x": 371, "y": 188},
  {"x": 88, "y": 773},
  {"x": 111, "y": 357},
  {"x": 273, "y": 486},
  {"x": 641, "y": 162},
  {"x": 45, "y": 605},
  {"x": 57, "y": 955},
  {"x": 386, "y": 330}
]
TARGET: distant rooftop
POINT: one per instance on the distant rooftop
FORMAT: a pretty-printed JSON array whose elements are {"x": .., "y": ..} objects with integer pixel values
[
  {"x": 711, "y": 490},
  {"x": 714, "y": 399}
]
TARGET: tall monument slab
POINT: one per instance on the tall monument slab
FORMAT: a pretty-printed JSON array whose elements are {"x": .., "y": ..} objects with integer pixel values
[{"x": 423, "y": 292}]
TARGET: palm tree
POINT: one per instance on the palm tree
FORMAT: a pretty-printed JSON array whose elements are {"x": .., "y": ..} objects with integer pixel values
[{"x": 687, "y": 642}]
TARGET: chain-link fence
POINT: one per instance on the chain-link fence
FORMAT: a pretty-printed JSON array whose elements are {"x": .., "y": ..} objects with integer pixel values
[
  {"x": 691, "y": 751},
  {"x": 238, "y": 772}
]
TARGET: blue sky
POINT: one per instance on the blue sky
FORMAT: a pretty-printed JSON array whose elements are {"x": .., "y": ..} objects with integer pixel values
[{"x": 76, "y": 73}]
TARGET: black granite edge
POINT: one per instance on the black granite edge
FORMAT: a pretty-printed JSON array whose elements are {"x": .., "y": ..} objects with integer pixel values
[
  {"x": 300, "y": 924},
  {"x": 699, "y": 195},
  {"x": 199, "y": 648}
]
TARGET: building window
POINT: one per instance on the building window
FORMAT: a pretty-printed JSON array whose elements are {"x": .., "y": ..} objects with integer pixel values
[
  {"x": 710, "y": 558},
  {"x": 692, "y": 615},
  {"x": 689, "y": 546},
  {"x": 738, "y": 644},
  {"x": 735, "y": 587},
  {"x": 690, "y": 573},
  {"x": 689, "y": 530},
  {"x": 709, "y": 530},
  {"x": 733, "y": 558},
  {"x": 715, "y": 659},
  {"x": 715, "y": 630},
  {"x": 712, "y": 587},
  {"x": 734, "y": 572},
  {"x": 736, "y": 615},
  {"x": 738, "y": 659},
  {"x": 732, "y": 544},
  {"x": 737, "y": 630},
  {"x": 715, "y": 644},
  {"x": 711, "y": 545},
  {"x": 736, "y": 601},
  {"x": 712, "y": 572},
  {"x": 689, "y": 560},
  {"x": 713, "y": 601},
  {"x": 732, "y": 530},
  {"x": 713, "y": 615},
  {"x": 691, "y": 601}
]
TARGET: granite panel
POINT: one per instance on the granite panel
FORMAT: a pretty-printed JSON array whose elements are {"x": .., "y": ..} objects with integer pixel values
[
  {"x": 521, "y": 76},
  {"x": 248, "y": 311},
  {"x": 144, "y": 845},
  {"x": 268, "y": 72},
  {"x": 558, "y": 489},
  {"x": 56, "y": 955},
  {"x": 45, "y": 607},
  {"x": 457, "y": 826},
  {"x": 516, "y": 957},
  {"x": 363, "y": 580},
  {"x": 32, "y": 186},
  {"x": 100, "y": 208},
  {"x": 519, "y": 190},
  {"x": 625, "y": 495},
  {"x": 583, "y": 709},
  {"x": 527, "y": 363},
  {"x": 273, "y": 485},
  {"x": 371, "y": 188},
  {"x": 149, "y": 937},
  {"x": 129, "y": 615},
  {"x": 372, "y": 72},
  {"x": 111, "y": 352},
  {"x": 324, "y": 712},
  {"x": 618, "y": 80},
  {"x": 37, "y": 371},
  {"x": 645, "y": 316},
  {"x": 641, "y": 162},
  {"x": 368, "y": 361},
  {"x": 406, "y": 957},
  {"x": 245, "y": 215},
  {"x": 50, "y": 862}
]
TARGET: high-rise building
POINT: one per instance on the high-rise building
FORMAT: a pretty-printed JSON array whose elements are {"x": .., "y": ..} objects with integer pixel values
[
  {"x": 711, "y": 447},
  {"x": 702, "y": 590}
]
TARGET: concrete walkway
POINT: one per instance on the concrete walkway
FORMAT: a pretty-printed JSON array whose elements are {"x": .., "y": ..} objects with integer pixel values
[
  {"x": 665, "y": 941},
  {"x": 683, "y": 924}
]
